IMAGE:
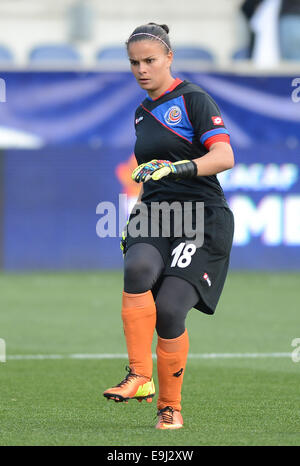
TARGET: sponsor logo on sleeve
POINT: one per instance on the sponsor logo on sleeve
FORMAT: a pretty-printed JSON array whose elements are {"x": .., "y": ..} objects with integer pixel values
[{"x": 217, "y": 120}]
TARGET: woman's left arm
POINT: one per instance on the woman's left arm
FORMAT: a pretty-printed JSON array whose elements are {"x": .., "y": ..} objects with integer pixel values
[{"x": 219, "y": 158}]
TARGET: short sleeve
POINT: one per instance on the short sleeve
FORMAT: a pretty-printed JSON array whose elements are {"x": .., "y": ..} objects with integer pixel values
[{"x": 206, "y": 119}]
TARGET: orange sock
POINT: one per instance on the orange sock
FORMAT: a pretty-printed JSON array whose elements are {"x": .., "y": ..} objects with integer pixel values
[
  {"x": 171, "y": 362},
  {"x": 139, "y": 320}
]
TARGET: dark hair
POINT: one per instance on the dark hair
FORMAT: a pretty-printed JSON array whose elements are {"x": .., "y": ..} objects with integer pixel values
[{"x": 158, "y": 32}]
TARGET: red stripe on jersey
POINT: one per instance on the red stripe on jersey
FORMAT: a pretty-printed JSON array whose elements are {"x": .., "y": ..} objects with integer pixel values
[
  {"x": 216, "y": 138},
  {"x": 171, "y": 88}
]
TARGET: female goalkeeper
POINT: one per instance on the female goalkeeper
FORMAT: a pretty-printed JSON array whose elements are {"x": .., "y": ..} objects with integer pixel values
[{"x": 181, "y": 144}]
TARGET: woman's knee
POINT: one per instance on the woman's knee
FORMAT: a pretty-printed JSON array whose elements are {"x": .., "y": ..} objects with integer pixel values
[
  {"x": 167, "y": 310},
  {"x": 170, "y": 322},
  {"x": 138, "y": 275},
  {"x": 141, "y": 270},
  {"x": 174, "y": 300}
]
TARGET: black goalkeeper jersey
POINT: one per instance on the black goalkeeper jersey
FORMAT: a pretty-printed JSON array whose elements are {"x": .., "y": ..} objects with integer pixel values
[{"x": 180, "y": 125}]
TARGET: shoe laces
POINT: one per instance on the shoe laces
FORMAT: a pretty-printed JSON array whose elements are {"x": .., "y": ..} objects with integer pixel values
[
  {"x": 166, "y": 414},
  {"x": 128, "y": 377}
]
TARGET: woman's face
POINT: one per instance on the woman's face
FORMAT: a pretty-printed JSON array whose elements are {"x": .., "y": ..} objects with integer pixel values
[{"x": 150, "y": 65}]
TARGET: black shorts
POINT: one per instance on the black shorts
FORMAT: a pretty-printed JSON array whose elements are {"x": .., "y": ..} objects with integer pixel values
[{"x": 205, "y": 267}]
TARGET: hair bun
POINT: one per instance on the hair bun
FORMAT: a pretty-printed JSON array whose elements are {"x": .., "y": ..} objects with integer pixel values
[{"x": 165, "y": 27}]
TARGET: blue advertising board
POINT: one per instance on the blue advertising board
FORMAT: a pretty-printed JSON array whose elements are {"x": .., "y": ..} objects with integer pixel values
[{"x": 68, "y": 139}]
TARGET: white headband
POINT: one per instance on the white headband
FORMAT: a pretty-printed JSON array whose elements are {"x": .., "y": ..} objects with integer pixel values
[{"x": 151, "y": 35}]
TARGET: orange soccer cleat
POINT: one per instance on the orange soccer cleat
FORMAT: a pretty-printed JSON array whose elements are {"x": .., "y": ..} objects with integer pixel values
[
  {"x": 134, "y": 386},
  {"x": 168, "y": 418}
]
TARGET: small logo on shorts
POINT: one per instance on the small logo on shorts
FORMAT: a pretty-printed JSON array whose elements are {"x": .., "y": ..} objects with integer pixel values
[
  {"x": 139, "y": 119},
  {"x": 173, "y": 115},
  {"x": 206, "y": 277}
]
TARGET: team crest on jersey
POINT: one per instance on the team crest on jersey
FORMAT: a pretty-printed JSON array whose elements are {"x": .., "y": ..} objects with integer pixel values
[{"x": 173, "y": 115}]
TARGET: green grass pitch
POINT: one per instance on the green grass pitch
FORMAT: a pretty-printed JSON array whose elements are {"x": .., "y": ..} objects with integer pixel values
[{"x": 226, "y": 401}]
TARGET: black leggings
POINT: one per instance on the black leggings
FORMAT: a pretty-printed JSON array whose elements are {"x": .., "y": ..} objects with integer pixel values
[{"x": 143, "y": 265}]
